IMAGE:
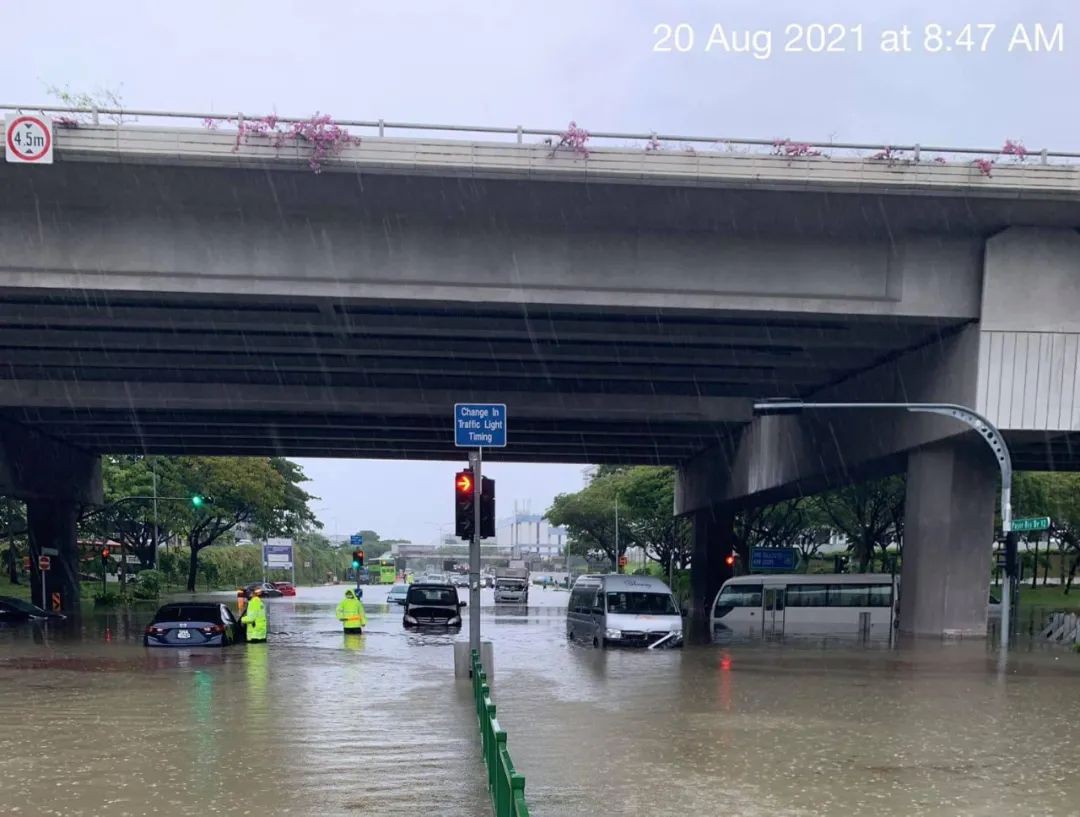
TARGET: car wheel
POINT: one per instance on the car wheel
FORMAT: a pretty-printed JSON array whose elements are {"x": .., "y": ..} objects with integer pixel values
[
  {"x": 569, "y": 635},
  {"x": 597, "y": 642}
]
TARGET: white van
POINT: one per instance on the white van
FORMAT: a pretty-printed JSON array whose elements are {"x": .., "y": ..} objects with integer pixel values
[{"x": 617, "y": 609}]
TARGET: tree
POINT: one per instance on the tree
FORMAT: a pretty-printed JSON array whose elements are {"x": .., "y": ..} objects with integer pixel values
[
  {"x": 646, "y": 518},
  {"x": 648, "y": 494},
  {"x": 253, "y": 490},
  {"x": 867, "y": 513},
  {"x": 1057, "y": 495},
  {"x": 13, "y": 513},
  {"x": 589, "y": 518},
  {"x": 767, "y": 526}
]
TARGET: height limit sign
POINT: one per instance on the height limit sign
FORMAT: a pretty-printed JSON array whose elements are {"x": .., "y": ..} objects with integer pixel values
[{"x": 28, "y": 139}]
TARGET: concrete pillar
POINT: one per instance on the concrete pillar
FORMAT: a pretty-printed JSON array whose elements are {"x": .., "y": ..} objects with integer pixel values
[
  {"x": 713, "y": 535},
  {"x": 52, "y": 532},
  {"x": 952, "y": 490}
]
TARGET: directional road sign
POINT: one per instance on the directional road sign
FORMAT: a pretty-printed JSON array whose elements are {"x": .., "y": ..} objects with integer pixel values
[
  {"x": 480, "y": 425},
  {"x": 28, "y": 139},
  {"x": 356, "y": 539},
  {"x": 781, "y": 559},
  {"x": 1031, "y": 523}
]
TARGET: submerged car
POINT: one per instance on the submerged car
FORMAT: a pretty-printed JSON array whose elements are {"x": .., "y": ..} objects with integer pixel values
[
  {"x": 397, "y": 594},
  {"x": 432, "y": 605},
  {"x": 192, "y": 624},
  {"x": 286, "y": 588},
  {"x": 17, "y": 611},
  {"x": 268, "y": 590}
]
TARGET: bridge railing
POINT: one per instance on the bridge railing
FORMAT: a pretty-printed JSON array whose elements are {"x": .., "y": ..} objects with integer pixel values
[
  {"x": 121, "y": 116},
  {"x": 505, "y": 785}
]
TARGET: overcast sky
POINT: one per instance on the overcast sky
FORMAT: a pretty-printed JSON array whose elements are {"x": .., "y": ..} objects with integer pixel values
[{"x": 541, "y": 64}]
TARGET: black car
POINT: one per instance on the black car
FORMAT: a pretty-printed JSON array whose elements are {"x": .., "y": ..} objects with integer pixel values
[
  {"x": 428, "y": 604},
  {"x": 192, "y": 624},
  {"x": 268, "y": 590},
  {"x": 17, "y": 611}
]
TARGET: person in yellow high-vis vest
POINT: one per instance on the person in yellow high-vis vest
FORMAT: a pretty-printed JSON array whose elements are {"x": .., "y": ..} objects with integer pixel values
[
  {"x": 255, "y": 619},
  {"x": 350, "y": 612}
]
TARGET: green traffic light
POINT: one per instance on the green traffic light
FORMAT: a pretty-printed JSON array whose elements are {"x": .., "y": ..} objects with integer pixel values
[
  {"x": 197, "y": 501},
  {"x": 355, "y": 563}
]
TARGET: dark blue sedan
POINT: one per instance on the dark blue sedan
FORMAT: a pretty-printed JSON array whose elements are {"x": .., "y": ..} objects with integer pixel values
[{"x": 192, "y": 624}]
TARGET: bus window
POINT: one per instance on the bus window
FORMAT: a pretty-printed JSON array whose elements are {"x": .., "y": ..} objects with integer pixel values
[
  {"x": 849, "y": 595},
  {"x": 880, "y": 595},
  {"x": 741, "y": 595},
  {"x": 806, "y": 595}
]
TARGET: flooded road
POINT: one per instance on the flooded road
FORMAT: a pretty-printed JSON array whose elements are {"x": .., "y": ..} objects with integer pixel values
[{"x": 323, "y": 724}]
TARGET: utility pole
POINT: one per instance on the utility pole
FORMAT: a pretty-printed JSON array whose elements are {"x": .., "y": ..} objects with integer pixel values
[
  {"x": 475, "y": 460},
  {"x": 616, "y": 533}
]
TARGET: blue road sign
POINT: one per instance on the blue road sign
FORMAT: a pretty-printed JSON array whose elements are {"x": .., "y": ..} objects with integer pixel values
[
  {"x": 782, "y": 559},
  {"x": 480, "y": 425},
  {"x": 356, "y": 539}
]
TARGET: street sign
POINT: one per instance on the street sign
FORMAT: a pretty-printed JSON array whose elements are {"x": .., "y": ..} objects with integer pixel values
[
  {"x": 480, "y": 425},
  {"x": 622, "y": 561},
  {"x": 278, "y": 555},
  {"x": 50, "y": 551},
  {"x": 44, "y": 562},
  {"x": 1031, "y": 523},
  {"x": 28, "y": 139},
  {"x": 781, "y": 559},
  {"x": 56, "y": 605},
  {"x": 356, "y": 539}
]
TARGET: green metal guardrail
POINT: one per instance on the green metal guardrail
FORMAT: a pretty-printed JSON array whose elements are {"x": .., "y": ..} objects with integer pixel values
[{"x": 506, "y": 786}]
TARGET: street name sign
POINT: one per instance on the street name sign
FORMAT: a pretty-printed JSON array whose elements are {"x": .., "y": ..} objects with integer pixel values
[
  {"x": 783, "y": 560},
  {"x": 278, "y": 554},
  {"x": 1031, "y": 523},
  {"x": 480, "y": 425},
  {"x": 28, "y": 139}
]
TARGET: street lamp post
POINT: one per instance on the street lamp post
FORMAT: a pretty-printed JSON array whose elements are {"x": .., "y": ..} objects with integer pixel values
[{"x": 987, "y": 430}]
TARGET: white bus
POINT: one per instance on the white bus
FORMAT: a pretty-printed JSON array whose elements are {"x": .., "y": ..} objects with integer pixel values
[{"x": 806, "y": 604}]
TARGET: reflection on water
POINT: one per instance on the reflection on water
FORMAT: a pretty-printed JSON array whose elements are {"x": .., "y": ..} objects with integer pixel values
[{"x": 321, "y": 723}]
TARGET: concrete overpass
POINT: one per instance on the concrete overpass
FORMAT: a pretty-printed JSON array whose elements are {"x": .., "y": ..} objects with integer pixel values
[{"x": 168, "y": 290}]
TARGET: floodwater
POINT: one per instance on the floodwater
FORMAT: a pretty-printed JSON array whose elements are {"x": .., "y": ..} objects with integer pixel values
[{"x": 317, "y": 723}]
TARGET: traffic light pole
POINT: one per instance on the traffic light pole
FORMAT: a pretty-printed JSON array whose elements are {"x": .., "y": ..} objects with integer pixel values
[{"x": 475, "y": 460}]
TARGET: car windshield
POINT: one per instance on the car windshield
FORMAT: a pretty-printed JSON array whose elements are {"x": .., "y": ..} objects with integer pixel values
[
  {"x": 651, "y": 604},
  {"x": 442, "y": 596},
  {"x": 398, "y": 589},
  {"x": 187, "y": 612}
]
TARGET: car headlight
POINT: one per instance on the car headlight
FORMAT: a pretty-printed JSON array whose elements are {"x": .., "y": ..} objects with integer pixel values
[
  {"x": 612, "y": 634},
  {"x": 454, "y": 620},
  {"x": 410, "y": 620}
]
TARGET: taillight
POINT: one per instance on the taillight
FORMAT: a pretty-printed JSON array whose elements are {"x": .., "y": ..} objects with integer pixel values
[
  {"x": 152, "y": 630},
  {"x": 213, "y": 629}
]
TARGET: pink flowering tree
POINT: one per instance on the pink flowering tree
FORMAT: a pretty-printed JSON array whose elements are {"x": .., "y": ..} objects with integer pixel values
[
  {"x": 324, "y": 138},
  {"x": 573, "y": 139}
]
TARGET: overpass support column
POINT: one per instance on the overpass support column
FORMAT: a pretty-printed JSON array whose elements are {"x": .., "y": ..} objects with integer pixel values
[
  {"x": 713, "y": 537},
  {"x": 51, "y": 523},
  {"x": 952, "y": 490},
  {"x": 54, "y": 479}
]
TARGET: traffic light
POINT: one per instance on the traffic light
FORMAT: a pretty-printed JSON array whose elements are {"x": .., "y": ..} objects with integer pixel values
[
  {"x": 104, "y": 554},
  {"x": 464, "y": 520},
  {"x": 357, "y": 559},
  {"x": 729, "y": 560},
  {"x": 197, "y": 501},
  {"x": 487, "y": 509}
]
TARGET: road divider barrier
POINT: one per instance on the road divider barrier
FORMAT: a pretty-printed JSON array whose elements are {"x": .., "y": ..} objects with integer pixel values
[{"x": 505, "y": 784}]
